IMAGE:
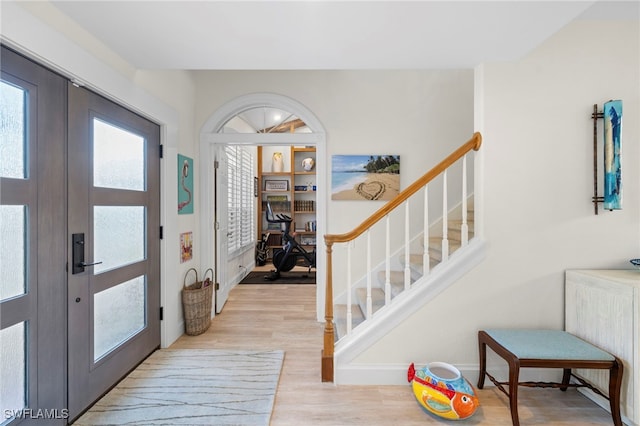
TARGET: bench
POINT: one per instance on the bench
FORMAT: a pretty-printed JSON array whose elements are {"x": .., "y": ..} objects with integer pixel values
[{"x": 548, "y": 349}]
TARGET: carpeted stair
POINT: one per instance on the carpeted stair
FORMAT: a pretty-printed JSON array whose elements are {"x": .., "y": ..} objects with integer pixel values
[{"x": 359, "y": 307}]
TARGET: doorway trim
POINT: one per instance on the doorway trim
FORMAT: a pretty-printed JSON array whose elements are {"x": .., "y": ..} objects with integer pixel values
[{"x": 209, "y": 137}]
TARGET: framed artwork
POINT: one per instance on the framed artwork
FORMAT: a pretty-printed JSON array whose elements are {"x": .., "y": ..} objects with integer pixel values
[
  {"x": 185, "y": 185},
  {"x": 186, "y": 246},
  {"x": 276, "y": 185},
  {"x": 612, "y": 149},
  {"x": 365, "y": 177}
]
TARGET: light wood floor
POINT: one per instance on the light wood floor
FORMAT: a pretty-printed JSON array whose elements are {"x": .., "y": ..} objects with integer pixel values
[{"x": 272, "y": 316}]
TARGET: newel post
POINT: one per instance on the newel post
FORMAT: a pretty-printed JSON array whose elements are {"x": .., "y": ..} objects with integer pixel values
[{"x": 327, "y": 351}]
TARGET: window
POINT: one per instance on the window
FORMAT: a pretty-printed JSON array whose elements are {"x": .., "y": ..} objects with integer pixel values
[{"x": 241, "y": 220}]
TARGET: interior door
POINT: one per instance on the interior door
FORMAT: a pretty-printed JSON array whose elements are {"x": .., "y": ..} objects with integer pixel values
[
  {"x": 222, "y": 225},
  {"x": 113, "y": 248}
]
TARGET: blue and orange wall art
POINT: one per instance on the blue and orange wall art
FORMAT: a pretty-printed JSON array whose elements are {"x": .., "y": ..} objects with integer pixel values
[{"x": 612, "y": 149}]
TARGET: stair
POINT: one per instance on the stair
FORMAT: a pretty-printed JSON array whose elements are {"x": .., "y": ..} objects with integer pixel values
[{"x": 359, "y": 308}]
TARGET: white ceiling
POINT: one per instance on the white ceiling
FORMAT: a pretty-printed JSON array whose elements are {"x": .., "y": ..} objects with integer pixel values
[{"x": 261, "y": 35}]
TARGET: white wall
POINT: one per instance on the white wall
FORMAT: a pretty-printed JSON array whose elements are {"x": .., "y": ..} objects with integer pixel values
[
  {"x": 420, "y": 115},
  {"x": 40, "y": 31},
  {"x": 537, "y": 156}
]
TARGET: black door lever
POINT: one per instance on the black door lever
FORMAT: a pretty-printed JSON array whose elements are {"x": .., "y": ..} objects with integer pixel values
[{"x": 78, "y": 254}]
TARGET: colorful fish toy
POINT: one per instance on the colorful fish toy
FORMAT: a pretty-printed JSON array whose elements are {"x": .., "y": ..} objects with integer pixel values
[{"x": 440, "y": 389}]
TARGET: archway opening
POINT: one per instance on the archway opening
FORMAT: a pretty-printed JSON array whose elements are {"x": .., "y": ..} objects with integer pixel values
[{"x": 251, "y": 121}]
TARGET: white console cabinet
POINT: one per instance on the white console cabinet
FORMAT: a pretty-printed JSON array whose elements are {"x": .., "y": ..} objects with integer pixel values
[{"x": 603, "y": 307}]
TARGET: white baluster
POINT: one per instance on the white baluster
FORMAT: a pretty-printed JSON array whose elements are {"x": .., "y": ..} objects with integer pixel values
[
  {"x": 349, "y": 313},
  {"x": 369, "y": 301},
  {"x": 387, "y": 278},
  {"x": 445, "y": 220},
  {"x": 407, "y": 249},
  {"x": 425, "y": 242},
  {"x": 464, "y": 229}
]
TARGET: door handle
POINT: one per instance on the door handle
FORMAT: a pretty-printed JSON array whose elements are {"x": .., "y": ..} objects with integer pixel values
[
  {"x": 84, "y": 265},
  {"x": 77, "y": 254}
]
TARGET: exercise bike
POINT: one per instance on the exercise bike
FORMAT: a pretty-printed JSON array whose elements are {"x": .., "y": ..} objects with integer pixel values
[{"x": 287, "y": 257}]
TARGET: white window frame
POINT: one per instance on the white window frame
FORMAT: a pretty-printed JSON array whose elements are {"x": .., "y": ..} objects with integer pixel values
[{"x": 241, "y": 205}]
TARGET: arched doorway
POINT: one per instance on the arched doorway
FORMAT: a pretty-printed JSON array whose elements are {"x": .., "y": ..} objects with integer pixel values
[{"x": 249, "y": 120}]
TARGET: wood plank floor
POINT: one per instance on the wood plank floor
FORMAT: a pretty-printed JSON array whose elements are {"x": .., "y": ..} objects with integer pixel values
[{"x": 272, "y": 316}]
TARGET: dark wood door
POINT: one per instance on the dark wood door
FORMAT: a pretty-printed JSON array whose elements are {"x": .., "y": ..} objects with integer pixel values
[
  {"x": 114, "y": 244},
  {"x": 33, "y": 290}
]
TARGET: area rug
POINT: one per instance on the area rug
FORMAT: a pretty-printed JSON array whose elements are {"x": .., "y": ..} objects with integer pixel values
[
  {"x": 193, "y": 387},
  {"x": 291, "y": 277}
]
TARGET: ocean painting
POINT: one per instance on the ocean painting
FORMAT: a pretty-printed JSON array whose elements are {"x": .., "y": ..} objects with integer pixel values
[
  {"x": 612, "y": 150},
  {"x": 365, "y": 177}
]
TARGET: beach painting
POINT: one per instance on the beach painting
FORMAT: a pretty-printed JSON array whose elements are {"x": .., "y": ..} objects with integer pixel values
[{"x": 365, "y": 177}]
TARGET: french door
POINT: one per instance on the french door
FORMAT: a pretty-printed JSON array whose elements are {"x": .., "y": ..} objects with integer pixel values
[
  {"x": 79, "y": 178},
  {"x": 113, "y": 244},
  {"x": 33, "y": 104}
]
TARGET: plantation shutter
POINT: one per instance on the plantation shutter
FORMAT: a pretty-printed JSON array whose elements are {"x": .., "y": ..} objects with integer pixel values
[{"x": 241, "y": 220}]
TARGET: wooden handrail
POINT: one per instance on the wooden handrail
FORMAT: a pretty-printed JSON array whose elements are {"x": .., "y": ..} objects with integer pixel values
[
  {"x": 329, "y": 342},
  {"x": 473, "y": 143}
]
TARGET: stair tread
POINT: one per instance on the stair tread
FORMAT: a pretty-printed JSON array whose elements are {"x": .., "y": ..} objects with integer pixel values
[
  {"x": 436, "y": 243},
  {"x": 416, "y": 262},
  {"x": 340, "y": 318},
  {"x": 377, "y": 299},
  {"x": 396, "y": 281}
]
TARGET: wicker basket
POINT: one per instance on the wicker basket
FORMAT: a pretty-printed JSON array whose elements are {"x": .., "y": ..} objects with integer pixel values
[{"x": 196, "y": 303}]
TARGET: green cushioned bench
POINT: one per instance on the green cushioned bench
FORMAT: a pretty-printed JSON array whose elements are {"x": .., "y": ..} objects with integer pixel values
[{"x": 548, "y": 349}]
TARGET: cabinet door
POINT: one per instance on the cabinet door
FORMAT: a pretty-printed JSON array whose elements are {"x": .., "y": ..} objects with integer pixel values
[{"x": 601, "y": 311}]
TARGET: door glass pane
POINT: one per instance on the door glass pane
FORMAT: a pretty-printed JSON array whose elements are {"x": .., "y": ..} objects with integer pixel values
[
  {"x": 118, "y": 157},
  {"x": 118, "y": 313},
  {"x": 13, "y": 369},
  {"x": 12, "y": 133},
  {"x": 119, "y": 235},
  {"x": 13, "y": 247}
]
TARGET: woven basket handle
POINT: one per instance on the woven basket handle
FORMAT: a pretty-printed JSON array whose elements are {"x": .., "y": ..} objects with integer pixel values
[
  {"x": 207, "y": 281},
  {"x": 184, "y": 283}
]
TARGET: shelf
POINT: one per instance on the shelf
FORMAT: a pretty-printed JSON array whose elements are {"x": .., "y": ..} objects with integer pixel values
[{"x": 299, "y": 205}]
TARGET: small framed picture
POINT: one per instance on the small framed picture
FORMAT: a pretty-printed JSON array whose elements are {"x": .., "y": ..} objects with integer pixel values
[
  {"x": 186, "y": 246},
  {"x": 276, "y": 185}
]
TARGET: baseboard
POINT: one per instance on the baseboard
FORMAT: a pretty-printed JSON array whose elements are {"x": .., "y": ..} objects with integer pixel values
[
  {"x": 396, "y": 374},
  {"x": 604, "y": 403},
  {"x": 387, "y": 374}
]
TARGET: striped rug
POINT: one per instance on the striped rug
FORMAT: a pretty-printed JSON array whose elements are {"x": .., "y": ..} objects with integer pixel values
[{"x": 193, "y": 387}]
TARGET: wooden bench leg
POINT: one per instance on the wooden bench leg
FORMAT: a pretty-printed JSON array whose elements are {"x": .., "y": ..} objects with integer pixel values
[
  {"x": 615, "y": 383},
  {"x": 514, "y": 377},
  {"x": 566, "y": 377},
  {"x": 483, "y": 363}
]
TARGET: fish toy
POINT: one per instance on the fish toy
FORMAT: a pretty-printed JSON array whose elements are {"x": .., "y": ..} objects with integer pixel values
[{"x": 442, "y": 390}]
